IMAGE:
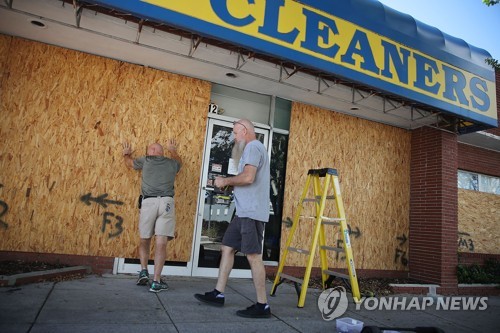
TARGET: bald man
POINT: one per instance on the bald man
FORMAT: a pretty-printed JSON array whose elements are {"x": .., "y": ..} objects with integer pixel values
[
  {"x": 246, "y": 231},
  {"x": 157, "y": 209}
]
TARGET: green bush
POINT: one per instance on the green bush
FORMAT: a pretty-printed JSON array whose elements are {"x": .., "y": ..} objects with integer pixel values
[{"x": 487, "y": 273}]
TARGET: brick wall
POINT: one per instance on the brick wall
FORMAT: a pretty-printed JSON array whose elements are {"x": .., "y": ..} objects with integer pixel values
[
  {"x": 433, "y": 207},
  {"x": 465, "y": 258},
  {"x": 478, "y": 290},
  {"x": 478, "y": 160},
  {"x": 98, "y": 265}
]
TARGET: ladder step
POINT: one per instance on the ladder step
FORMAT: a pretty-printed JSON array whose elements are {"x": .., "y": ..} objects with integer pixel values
[
  {"x": 318, "y": 198},
  {"x": 325, "y": 220},
  {"x": 291, "y": 278},
  {"x": 308, "y": 217},
  {"x": 340, "y": 275},
  {"x": 331, "y": 223},
  {"x": 332, "y": 219},
  {"x": 294, "y": 249},
  {"x": 331, "y": 248}
]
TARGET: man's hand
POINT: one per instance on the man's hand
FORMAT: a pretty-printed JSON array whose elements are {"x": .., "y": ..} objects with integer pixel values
[
  {"x": 172, "y": 149},
  {"x": 171, "y": 145},
  {"x": 127, "y": 149},
  {"x": 127, "y": 155},
  {"x": 220, "y": 182},
  {"x": 244, "y": 178}
]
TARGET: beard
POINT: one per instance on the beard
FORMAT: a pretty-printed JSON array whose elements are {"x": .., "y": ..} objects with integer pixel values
[{"x": 238, "y": 151}]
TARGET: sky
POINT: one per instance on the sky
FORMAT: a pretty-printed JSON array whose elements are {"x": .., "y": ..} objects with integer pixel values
[{"x": 470, "y": 20}]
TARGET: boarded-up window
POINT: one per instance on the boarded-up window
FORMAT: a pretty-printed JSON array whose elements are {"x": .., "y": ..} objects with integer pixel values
[{"x": 478, "y": 182}]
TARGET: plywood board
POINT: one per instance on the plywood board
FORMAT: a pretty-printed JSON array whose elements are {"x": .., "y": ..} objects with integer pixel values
[
  {"x": 478, "y": 222},
  {"x": 373, "y": 162},
  {"x": 64, "y": 116}
]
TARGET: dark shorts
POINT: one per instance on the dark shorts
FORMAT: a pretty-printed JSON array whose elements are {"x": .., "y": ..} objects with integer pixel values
[{"x": 244, "y": 235}]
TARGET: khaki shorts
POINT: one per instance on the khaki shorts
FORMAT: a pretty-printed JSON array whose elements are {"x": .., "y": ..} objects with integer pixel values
[{"x": 157, "y": 217}]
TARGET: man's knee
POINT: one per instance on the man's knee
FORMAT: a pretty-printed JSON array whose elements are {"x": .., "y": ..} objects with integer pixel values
[
  {"x": 254, "y": 258},
  {"x": 227, "y": 250},
  {"x": 145, "y": 241},
  {"x": 161, "y": 240}
]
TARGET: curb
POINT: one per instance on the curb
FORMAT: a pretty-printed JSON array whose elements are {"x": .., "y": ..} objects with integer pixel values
[
  {"x": 32, "y": 277},
  {"x": 415, "y": 288},
  {"x": 435, "y": 290}
]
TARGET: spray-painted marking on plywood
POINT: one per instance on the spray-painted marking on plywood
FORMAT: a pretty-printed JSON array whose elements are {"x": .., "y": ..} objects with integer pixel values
[
  {"x": 402, "y": 239},
  {"x": 115, "y": 222},
  {"x": 3, "y": 210},
  {"x": 351, "y": 232},
  {"x": 356, "y": 233},
  {"x": 101, "y": 200},
  {"x": 340, "y": 246},
  {"x": 400, "y": 255},
  {"x": 465, "y": 241},
  {"x": 117, "y": 225}
]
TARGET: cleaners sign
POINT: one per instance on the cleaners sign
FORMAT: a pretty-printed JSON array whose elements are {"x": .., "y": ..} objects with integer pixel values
[{"x": 317, "y": 38}]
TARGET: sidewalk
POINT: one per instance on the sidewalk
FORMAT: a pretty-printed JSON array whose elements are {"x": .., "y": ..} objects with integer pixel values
[{"x": 113, "y": 303}]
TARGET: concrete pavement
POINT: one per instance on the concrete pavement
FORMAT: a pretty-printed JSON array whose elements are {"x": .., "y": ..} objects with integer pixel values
[{"x": 113, "y": 303}]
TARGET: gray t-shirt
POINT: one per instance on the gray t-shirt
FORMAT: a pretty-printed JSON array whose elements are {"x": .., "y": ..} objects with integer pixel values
[
  {"x": 253, "y": 200},
  {"x": 158, "y": 175}
]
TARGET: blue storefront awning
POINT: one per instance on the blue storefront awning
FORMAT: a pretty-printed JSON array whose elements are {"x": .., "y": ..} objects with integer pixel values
[
  {"x": 405, "y": 29},
  {"x": 362, "y": 41}
]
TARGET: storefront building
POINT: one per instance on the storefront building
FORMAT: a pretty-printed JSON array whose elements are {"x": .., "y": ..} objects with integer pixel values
[{"x": 407, "y": 115}]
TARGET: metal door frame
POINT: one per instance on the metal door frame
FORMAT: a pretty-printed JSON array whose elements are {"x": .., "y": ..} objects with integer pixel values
[{"x": 193, "y": 264}]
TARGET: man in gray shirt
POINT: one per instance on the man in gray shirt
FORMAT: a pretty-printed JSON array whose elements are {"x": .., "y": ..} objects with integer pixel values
[
  {"x": 246, "y": 231},
  {"x": 157, "y": 209}
]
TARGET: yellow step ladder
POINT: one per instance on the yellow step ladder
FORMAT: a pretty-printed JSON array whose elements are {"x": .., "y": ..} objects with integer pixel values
[{"x": 320, "y": 197}]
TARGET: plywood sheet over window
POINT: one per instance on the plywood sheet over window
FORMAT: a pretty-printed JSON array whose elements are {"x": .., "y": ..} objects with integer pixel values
[
  {"x": 64, "y": 116},
  {"x": 478, "y": 222},
  {"x": 373, "y": 161}
]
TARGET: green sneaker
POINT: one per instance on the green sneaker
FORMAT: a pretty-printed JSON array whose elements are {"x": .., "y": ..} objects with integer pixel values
[
  {"x": 156, "y": 286},
  {"x": 143, "y": 278}
]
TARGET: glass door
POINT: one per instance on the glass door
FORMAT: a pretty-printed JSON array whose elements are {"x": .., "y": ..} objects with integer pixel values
[{"x": 216, "y": 206}]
